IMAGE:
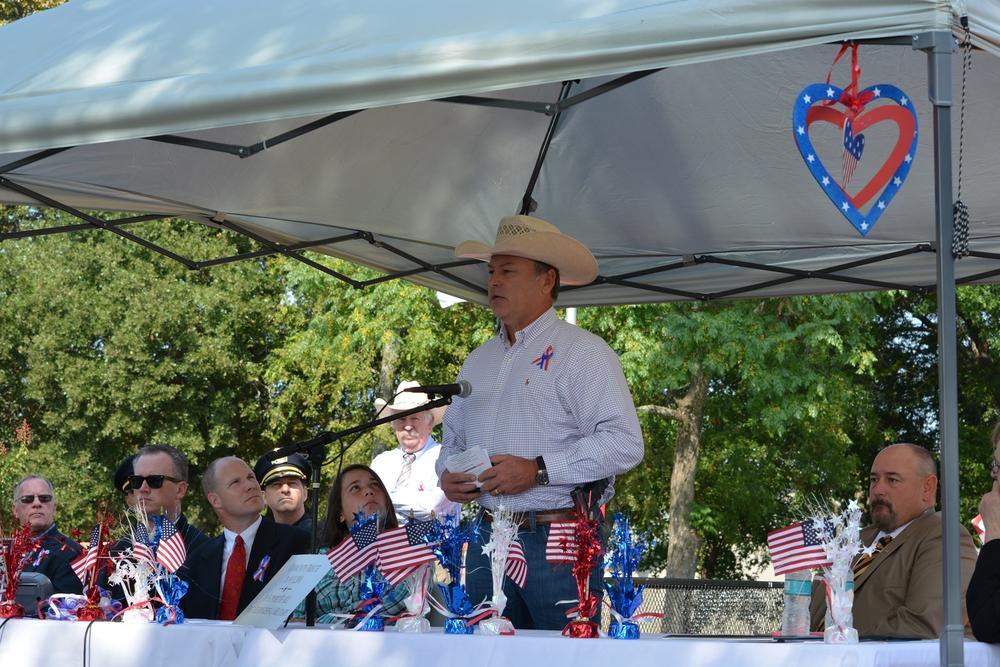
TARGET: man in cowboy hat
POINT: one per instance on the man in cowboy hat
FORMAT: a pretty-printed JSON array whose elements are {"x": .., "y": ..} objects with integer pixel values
[
  {"x": 550, "y": 407},
  {"x": 284, "y": 483},
  {"x": 408, "y": 472}
]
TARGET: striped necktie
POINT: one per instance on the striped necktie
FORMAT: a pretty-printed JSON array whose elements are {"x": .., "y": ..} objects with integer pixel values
[
  {"x": 407, "y": 469},
  {"x": 866, "y": 559}
]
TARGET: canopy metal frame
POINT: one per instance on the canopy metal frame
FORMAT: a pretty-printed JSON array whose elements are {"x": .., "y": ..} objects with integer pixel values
[
  {"x": 554, "y": 109},
  {"x": 937, "y": 45}
]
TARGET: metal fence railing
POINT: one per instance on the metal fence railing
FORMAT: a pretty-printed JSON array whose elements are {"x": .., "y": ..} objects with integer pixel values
[{"x": 710, "y": 607}]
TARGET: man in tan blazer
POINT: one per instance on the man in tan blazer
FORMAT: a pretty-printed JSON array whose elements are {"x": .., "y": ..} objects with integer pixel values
[{"x": 899, "y": 593}]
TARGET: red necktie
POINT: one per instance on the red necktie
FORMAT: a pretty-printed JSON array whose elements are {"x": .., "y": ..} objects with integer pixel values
[{"x": 236, "y": 569}]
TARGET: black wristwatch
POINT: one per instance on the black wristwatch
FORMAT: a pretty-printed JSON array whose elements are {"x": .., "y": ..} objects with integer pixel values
[{"x": 542, "y": 476}]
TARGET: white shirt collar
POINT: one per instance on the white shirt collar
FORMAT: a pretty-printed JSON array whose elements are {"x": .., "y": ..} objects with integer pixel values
[{"x": 248, "y": 534}]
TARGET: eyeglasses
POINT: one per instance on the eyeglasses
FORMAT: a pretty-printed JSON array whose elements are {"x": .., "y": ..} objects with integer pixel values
[
  {"x": 994, "y": 467},
  {"x": 154, "y": 481},
  {"x": 44, "y": 498}
]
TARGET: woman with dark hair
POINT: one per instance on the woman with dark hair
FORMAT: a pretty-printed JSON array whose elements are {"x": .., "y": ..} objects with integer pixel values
[
  {"x": 982, "y": 600},
  {"x": 357, "y": 491}
]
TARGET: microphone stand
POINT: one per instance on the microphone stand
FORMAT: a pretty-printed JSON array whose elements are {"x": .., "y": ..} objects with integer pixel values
[{"x": 314, "y": 449}]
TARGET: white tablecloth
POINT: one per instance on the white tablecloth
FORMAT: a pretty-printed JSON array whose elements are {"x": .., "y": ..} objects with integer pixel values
[
  {"x": 323, "y": 647},
  {"x": 37, "y": 643},
  {"x": 32, "y": 643}
]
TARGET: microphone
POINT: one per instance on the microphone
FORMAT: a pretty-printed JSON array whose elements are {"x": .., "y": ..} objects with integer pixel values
[{"x": 462, "y": 388}]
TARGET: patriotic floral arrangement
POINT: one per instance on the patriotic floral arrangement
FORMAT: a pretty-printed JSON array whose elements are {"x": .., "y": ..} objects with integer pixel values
[
  {"x": 625, "y": 551},
  {"x": 149, "y": 566},
  {"x": 416, "y": 601},
  {"x": 15, "y": 557},
  {"x": 584, "y": 549},
  {"x": 374, "y": 589},
  {"x": 840, "y": 536},
  {"x": 384, "y": 559},
  {"x": 450, "y": 539},
  {"x": 506, "y": 560},
  {"x": 88, "y": 567}
]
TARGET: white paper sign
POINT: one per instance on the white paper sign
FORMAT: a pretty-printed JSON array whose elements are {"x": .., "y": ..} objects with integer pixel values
[
  {"x": 473, "y": 461},
  {"x": 285, "y": 591}
]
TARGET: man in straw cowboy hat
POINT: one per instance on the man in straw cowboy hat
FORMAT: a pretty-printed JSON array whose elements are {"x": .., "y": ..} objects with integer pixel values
[
  {"x": 408, "y": 471},
  {"x": 550, "y": 406}
]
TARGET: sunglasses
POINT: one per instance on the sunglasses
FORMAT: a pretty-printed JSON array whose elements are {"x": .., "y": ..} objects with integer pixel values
[
  {"x": 44, "y": 498},
  {"x": 154, "y": 481}
]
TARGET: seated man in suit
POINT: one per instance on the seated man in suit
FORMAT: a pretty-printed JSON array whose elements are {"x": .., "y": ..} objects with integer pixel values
[
  {"x": 160, "y": 482},
  {"x": 897, "y": 589},
  {"x": 156, "y": 479},
  {"x": 35, "y": 506},
  {"x": 228, "y": 571}
]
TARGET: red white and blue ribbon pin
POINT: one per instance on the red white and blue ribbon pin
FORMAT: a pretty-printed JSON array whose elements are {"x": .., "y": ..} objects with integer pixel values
[
  {"x": 258, "y": 575},
  {"x": 543, "y": 360}
]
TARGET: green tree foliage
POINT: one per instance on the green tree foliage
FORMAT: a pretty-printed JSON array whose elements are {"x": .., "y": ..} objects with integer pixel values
[
  {"x": 12, "y": 10},
  {"x": 106, "y": 347},
  {"x": 782, "y": 390},
  {"x": 905, "y": 397},
  {"x": 326, "y": 376}
]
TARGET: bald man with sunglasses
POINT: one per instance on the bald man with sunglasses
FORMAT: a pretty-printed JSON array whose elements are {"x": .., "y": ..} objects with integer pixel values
[{"x": 35, "y": 506}]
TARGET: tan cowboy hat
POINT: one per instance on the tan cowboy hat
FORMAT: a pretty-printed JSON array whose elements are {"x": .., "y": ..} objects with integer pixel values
[
  {"x": 533, "y": 238},
  {"x": 407, "y": 400}
]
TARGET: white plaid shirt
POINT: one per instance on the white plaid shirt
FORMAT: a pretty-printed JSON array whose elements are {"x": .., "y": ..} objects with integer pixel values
[{"x": 575, "y": 410}]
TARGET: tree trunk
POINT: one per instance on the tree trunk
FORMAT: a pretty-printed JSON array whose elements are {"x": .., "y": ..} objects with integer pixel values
[
  {"x": 683, "y": 542},
  {"x": 390, "y": 362}
]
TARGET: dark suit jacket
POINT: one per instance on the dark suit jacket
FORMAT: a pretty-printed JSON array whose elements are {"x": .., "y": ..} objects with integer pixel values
[
  {"x": 983, "y": 597},
  {"x": 900, "y": 594},
  {"x": 305, "y": 523},
  {"x": 193, "y": 539},
  {"x": 57, "y": 552},
  {"x": 203, "y": 567}
]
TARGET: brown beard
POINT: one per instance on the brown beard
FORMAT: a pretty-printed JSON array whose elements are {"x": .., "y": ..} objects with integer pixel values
[{"x": 887, "y": 522}]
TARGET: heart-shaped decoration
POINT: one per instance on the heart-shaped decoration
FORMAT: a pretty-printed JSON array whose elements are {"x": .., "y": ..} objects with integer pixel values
[{"x": 815, "y": 104}]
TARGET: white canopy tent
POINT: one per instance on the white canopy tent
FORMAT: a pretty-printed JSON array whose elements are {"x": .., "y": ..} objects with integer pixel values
[
  {"x": 689, "y": 166},
  {"x": 659, "y": 134}
]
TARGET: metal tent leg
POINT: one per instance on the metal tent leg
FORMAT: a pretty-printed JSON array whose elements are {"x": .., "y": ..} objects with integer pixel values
[{"x": 939, "y": 45}]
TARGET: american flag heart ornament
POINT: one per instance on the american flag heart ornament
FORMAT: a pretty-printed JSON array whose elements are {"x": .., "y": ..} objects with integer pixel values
[{"x": 884, "y": 103}]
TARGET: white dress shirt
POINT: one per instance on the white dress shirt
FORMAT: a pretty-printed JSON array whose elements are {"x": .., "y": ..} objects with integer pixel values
[
  {"x": 558, "y": 392},
  {"x": 421, "y": 493},
  {"x": 227, "y": 550}
]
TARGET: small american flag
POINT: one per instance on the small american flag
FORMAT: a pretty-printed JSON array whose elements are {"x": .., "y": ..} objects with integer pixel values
[
  {"x": 140, "y": 543},
  {"x": 854, "y": 146},
  {"x": 977, "y": 523},
  {"x": 561, "y": 545},
  {"x": 402, "y": 550},
  {"x": 796, "y": 547},
  {"x": 517, "y": 565},
  {"x": 86, "y": 561},
  {"x": 356, "y": 552},
  {"x": 171, "y": 551}
]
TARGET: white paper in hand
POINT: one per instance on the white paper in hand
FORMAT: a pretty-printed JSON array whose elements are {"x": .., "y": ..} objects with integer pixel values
[{"x": 473, "y": 461}]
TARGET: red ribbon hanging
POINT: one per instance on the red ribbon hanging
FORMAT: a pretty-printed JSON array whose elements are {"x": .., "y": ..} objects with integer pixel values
[{"x": 850, "y": 97}]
